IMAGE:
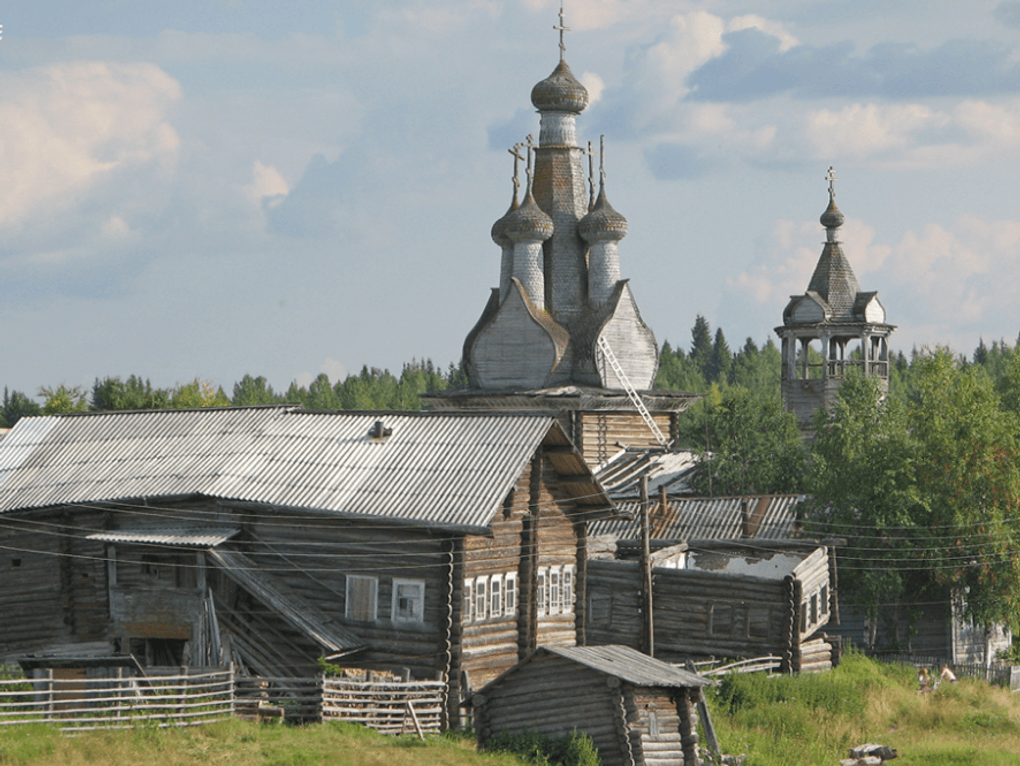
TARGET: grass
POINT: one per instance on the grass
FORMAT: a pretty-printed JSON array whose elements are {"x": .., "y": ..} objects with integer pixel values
[
  {"x": 815, "y": 719},
  {"x": 237, "y": 743},
  {"x": 782, "y": 721}
]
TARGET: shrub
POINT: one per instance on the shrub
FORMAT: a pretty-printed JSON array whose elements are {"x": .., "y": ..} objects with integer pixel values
[{"x": 575, "y": 749}]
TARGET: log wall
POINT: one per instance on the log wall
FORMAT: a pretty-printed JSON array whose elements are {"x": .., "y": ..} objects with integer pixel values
[{"x": 555, "y": 697}]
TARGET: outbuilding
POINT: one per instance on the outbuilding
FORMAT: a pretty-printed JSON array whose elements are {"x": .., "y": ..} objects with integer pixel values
[{"x": 637, "y": 710}]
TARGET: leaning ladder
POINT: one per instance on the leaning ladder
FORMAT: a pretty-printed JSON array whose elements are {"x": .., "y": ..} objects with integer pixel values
[{"x": 607, "y": 352}]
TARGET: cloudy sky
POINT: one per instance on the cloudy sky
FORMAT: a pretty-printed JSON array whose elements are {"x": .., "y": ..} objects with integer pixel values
[{"x": 219, "y": 187}]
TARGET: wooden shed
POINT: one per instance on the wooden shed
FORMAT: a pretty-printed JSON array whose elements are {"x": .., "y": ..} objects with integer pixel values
[
  {"x": 719, "y": 600},
  {"x": 637, "y": 710},
  {"x": 448, "y": 544}
]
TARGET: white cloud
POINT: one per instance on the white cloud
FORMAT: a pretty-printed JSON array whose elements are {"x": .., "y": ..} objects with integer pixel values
[
  {"x": 594, "y": 85},
  {"x": 266, "y": 181},
  {"x": 68, "y": 126},
  {"x": 774, "y": 28}
]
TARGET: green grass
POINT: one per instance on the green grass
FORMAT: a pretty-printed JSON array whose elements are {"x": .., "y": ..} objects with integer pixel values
[
  {"x": 815, "y": 719},
  {"x": 238, "y": 743}
]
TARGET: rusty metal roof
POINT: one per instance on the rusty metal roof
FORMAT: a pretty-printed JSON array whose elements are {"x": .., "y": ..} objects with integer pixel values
[
  {"x": 770, "y": 517},
  {"x": 433, "y": 469},
  {"x": 177, "y": 536},
  {"x": 621, "y": 475}
]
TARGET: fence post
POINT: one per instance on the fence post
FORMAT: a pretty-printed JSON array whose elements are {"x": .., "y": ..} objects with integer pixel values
[
  {"x": 232, "y": 688},
  {"x": 49, "y": 691}
]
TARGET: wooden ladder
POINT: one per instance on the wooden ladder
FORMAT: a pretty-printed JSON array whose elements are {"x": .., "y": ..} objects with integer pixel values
[{"x": 635, "y": 397}]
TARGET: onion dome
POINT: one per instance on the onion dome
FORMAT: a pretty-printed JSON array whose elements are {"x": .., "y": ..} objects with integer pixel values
[
  {"x": 499, "y": 228},
  {"x": 560, "y": 92},
  {"x": 832, "y": 218},
  {"x": 528, "y": 223},
  {"x": 603, "y": 223}
]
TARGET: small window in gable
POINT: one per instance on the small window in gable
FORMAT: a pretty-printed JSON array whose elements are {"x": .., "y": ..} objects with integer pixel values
[
  {"x": 823, "y": 600},
  {"x": 540, "y": 595},
  {"x": 814, "y": 608},
  {"x": 469, "y": 600},
  {"x": 481, "y": 598},
  {"x": 496, "y": 596},
  {"x": 510, "y": 594},
  {"x": 362, "y": 598}
]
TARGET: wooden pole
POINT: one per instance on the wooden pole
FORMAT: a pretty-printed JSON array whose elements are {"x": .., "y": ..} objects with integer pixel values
[{"x": 646, "y": 570}]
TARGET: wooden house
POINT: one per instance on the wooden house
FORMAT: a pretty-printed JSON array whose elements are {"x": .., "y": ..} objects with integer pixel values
[
  {"x": 638, "y": 711},
  {"x": 721, "y": 600},
  {"x": 447, "y": 544}
]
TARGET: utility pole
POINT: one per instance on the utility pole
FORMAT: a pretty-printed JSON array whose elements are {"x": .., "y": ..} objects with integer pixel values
[{"x": 646, "y": 572}]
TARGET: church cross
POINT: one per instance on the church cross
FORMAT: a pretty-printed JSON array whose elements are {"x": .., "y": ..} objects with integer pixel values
[
  {"x": 591, "y": 177},
  {"x": 831, "y": 178},
  {"x": 561, "y": 28},
  {"x": 602, "y": 161},
  {"x": 516, "y": 152}
]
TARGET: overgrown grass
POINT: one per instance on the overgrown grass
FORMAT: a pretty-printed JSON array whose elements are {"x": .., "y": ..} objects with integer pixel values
[
  {"x": 815, "y": 719},
  {"x": 238, "y": 743}
]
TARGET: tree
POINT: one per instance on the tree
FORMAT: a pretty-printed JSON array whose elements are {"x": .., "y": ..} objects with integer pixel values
[
  {"x": 16, "y": 406},
  {"x": 254, "y": 391},
  {"x": 112, "y": 393},
  {"x": 197, "y": 394},
  {"x": 678, "y": 373},
  {"x": 924, "y": 492},
  {"x": 701, "y": 344},
  {"x": 63, "y": 399},
  {"x": 748, "y": 444},
  {"x": 720, "y": 363}
]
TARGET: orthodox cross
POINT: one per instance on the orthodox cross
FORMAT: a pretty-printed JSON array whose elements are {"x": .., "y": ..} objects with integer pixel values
[
  {"x": 602, "y": 161},
  {"x": 561, "y": 28},
  {"x": 591, "y": 177},
  {"x": 530, "y": 143},
  {"x": 831, "y": 178},
  {"x": 516, "y": 152}
]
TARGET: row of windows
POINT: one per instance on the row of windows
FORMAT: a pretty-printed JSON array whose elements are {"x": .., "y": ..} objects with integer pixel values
[
  {"x": 407, "y": 602},
  {"x": 492, "y": 596}
]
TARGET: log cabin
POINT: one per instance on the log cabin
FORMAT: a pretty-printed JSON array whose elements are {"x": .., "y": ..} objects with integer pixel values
[
  {"x": 723, "y": 599},
  {"x": 636, "y": 709},
  {"x": 444, "y": 544}
]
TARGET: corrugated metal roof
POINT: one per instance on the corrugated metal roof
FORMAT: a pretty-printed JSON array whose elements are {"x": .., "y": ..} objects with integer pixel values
[
  {"x": 441, "y": 469},
  {"x": 772, "y": 517},
  {"x": 198, "y": 538},
  {"x": 628, "y": 665}
]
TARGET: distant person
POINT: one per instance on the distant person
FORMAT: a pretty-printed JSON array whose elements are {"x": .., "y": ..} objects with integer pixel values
[
  {"x": 923, "y": 681},
  {"x": 947, "y": 675}
]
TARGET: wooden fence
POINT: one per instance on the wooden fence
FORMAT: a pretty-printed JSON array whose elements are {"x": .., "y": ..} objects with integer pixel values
[
  {"x": 84, "y": 704},
  {"x": 389, "y": 705},
  {"x": 998, "y": 673}
]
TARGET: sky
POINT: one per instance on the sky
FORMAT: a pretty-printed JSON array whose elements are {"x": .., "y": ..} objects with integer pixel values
[{"x": 228, "y": 187}]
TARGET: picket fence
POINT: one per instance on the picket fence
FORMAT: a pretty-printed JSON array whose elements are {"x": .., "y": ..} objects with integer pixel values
[{"x": 193, "y": 698}]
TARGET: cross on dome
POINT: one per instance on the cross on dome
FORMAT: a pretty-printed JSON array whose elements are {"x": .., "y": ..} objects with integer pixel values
[
  {"x": 831, "y": 178},
  {"x": 561, "y": 28}
]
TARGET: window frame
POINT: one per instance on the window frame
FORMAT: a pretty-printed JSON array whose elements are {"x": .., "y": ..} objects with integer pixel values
[
  {"x": 510, "y": 594},
  {"x": 418, "y": 619},
  {"x": 496, "y": 595},
  {"x": 469, "y": 600},
  {"x": 481, "y": 598}
]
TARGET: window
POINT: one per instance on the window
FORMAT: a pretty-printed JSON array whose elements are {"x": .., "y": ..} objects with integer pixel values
[
  {"x": 759, "y": 620},
  {"x": 814, "y": 608},
  {"x": 540, "y": 592},
  {"x": 469, "y": 600},
  {"x": 823, "y": 599},
  {"x": 362, "y": 598},
  {"x": 554, "y": 591},
  {"x": 496, "y": 596},
  {"x": 481, "y": 594},
  {"x": 720, "y": 620},
  {"x": 510, "y": 594},
  {"x": 408, "y": 600},
  {"x": 568, "y": 589}
]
